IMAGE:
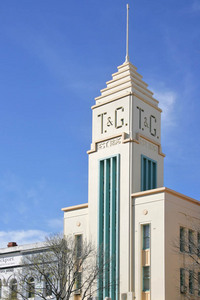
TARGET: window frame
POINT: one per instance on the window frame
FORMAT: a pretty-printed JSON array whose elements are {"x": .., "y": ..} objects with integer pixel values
[
  {"x": 13, "y": 291},
  {"x": 198, "y": 281},
  {"x": 146, "y": 278},
  {"x": 146, "y": 239},
  {"x": 31, "y": 288},
  {"x": 182, "y": 239},
  {"x": 78, "y": 245},
  {"x": 191, "y": 243},
  {"x": 0, "y": 288},
  {"x": 47, "y": 286},
  {"x": 148, "y": 173},
  {"x": 198, "y": 244},
  {"x": 183, "y": 287},
  {"x": 191, "y": 282}
]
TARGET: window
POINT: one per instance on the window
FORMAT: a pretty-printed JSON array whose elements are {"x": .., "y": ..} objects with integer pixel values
[
  {"x": 78, "y": 244},
  {"x": 31, "y": 288},
  {"x": 78, "y": 283},
  {"x": 182, "y": 239},
  {"x": 198, "y": 244},
  {"x": 146, "y": 236},
  {"x": 146, "y": 279},
  {"x": 48, "y": 285},
  {"x": 191, "y": 282},
  {"x": 190, "y": 241},
  {"x": 0, "y": 288},
  {"x": 108, "y": 225},
  {"x": 183, "y": 287},
  {"x": 148, "y": 173},
  {"x": 198, "y": 283},
  {"x": 13, "y": 288}
]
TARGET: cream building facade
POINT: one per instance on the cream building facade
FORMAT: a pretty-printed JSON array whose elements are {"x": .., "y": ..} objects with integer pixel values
[{"x": 129, "y": 213}]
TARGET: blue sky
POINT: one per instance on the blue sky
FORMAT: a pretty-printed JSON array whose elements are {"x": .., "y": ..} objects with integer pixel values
[{"x": 55, "y": 56}]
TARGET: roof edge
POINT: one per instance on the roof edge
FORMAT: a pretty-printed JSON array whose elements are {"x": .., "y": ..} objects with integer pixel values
[
  {"x": 75, "y": 207},
  {"x": 166, "y": 190}
]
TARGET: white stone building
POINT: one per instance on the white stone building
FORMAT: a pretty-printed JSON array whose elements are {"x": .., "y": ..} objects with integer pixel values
[
  {"x": 11, "y": 259},
  {"x": 129, "y": 212}
]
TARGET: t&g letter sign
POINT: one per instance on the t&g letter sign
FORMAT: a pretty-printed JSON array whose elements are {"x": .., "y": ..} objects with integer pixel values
[{"x": 116, "y": 119}]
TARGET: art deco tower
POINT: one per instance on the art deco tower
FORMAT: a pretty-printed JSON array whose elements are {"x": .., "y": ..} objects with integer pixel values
[{"x": 125, "y": 157}]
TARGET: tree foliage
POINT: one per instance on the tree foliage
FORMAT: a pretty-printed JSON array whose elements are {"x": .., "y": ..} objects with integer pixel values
[{"x": 64, "y": 267}]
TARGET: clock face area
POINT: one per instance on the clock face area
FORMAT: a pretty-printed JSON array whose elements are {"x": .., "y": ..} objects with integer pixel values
[{"x": 110, "y": 119}]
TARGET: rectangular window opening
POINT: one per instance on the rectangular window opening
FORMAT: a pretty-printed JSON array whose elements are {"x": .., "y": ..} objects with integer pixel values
[
  {"x": 146, "y": 279},
  {"x": 183, "y": 288},
  {"x": 146, "y": 236},
  {"x": 182, "y": 239},
  {"x": 78, "y": 245},
  {"x": 191, "y": 241},
  {"x": 198, "y": 244},
  {"x": 198, "y": 283},
  {"x": 191, "y": 282},
  {"x": 148, "y": 173},
  {"x": 108, "y": 226}
]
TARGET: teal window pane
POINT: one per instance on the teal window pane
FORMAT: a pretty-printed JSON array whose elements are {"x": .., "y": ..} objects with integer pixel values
[
  {"x": 146, "y": 236},
  {"x": 108, "y": 226},
  {"x": 146, "y": 279},
  {"x": 148, "y": 173}
]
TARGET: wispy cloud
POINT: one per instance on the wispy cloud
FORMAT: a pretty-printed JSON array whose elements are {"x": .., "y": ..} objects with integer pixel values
[
  {"x": 167, "y": 100},
  {"x": 22, "y": 237}
]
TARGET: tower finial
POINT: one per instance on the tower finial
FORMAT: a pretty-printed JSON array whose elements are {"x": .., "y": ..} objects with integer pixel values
[{"x": 127, "y": 35}]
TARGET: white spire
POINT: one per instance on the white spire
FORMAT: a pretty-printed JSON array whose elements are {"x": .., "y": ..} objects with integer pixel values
[{"x": 127, "y": 35}]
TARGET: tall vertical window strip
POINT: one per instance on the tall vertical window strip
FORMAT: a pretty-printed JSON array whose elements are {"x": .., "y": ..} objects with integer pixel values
[
  {"x": 191, "y": 282},
  {"x": 78, "y": 250},
  {"x": 182, "y": 281},
  {"x": 108, "y": 226},
  {"x": 198, "y": 244},
  {"x": 78, "y": 245},
  {"x": 198, "y": 283},
  {"x": 146, "y": 236},
  {"x": 146, "y": 279},
  {"x": 182, "y": 239},
  {"x": 191, "y": 241},
  {"x": 148, "y": 173}
]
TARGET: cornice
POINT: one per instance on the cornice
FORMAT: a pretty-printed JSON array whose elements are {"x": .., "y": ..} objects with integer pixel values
[
  {"x": 165, "y": 190},
  {"x": 75, "y": 207},
  {"x": 126, "y": 140},
  {"x": 125, "y": 95}
]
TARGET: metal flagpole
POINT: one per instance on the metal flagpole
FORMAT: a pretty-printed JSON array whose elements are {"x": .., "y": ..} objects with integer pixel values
[{"x": 127, "y": 34}]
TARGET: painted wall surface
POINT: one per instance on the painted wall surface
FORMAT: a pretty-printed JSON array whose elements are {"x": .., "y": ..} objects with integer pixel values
[
  {"x": 76, "y": 222},
  {"x": 149, "y": 210},
  {"x": 179, "y": 212}
]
